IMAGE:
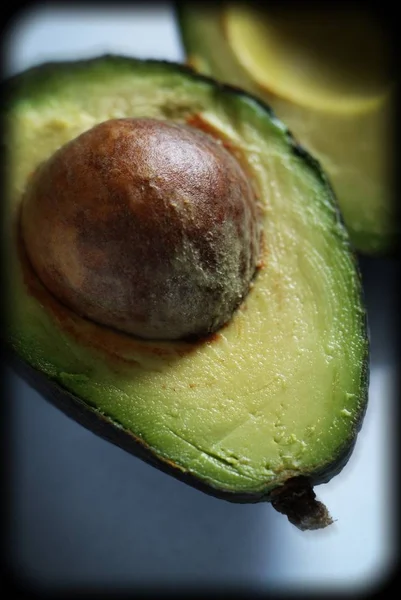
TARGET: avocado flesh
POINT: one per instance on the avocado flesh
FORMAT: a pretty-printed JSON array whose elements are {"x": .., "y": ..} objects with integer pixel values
[
  {"x": 354, "y": 147},
  {"x": 280, "y": 391}
]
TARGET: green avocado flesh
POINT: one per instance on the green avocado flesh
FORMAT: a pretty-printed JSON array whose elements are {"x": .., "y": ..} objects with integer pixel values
[
  {"x": 355, "y": 147},
  {"x": 277, "y": 393}
]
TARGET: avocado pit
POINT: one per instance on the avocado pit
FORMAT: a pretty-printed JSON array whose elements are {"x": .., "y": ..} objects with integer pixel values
[{"x": 147, "y": 226}]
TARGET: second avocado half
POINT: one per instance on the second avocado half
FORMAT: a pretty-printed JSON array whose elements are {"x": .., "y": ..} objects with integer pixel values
[
  {"x": 270, "y": 404},
  {"x": 327, "y": 72}
]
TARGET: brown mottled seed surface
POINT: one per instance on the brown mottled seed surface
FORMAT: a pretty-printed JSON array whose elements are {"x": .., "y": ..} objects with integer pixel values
[{"x": 147, "y": 226}]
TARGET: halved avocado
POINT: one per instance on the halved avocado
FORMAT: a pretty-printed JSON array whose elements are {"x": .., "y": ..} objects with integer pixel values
[
  {"x": 269, "y": 405},
  {"x": 326, "y": 72}
]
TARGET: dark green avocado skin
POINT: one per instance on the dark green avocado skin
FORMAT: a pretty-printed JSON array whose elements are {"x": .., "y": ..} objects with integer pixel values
[{"x": 104, "y": 427}]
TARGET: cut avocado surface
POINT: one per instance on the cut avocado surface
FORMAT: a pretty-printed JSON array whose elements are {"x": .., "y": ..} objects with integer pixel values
[
  {"x": 326, "y": 74},
  {"x": 273, "y": 400}
]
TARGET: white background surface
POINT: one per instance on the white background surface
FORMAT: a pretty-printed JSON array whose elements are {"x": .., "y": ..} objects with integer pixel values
[{"x": 88, "y": 514}]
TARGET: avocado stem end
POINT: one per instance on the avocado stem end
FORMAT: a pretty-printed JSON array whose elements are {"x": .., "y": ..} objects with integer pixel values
[{"x": 297, "y": 500}]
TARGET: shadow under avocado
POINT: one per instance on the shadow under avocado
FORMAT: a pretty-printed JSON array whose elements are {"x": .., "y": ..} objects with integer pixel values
[
  {"x": 84, "y": 513},
  {"x": 380, "y": 277}
]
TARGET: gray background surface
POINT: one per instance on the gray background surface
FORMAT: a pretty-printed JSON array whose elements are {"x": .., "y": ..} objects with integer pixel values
[{"x": 87, "y": 514}]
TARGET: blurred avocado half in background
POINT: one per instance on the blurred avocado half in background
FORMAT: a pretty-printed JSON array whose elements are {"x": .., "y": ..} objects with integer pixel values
[{"x": 327, "y": 73}]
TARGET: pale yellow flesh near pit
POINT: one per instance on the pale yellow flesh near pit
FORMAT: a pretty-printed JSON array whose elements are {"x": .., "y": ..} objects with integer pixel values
[{"x": 277, "y": 392}]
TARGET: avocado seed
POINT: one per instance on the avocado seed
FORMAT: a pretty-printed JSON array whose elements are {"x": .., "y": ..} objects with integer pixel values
[{"x": 144, "y": 225}]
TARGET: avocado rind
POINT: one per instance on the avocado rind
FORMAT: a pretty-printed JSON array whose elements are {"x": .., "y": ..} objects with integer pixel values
[
  {"x": 372, "y": 224},
  {"x": 37, "y": 79}
]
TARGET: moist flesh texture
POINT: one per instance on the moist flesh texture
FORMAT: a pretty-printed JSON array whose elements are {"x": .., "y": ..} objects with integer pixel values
[{"x": 278, "y": 392}]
